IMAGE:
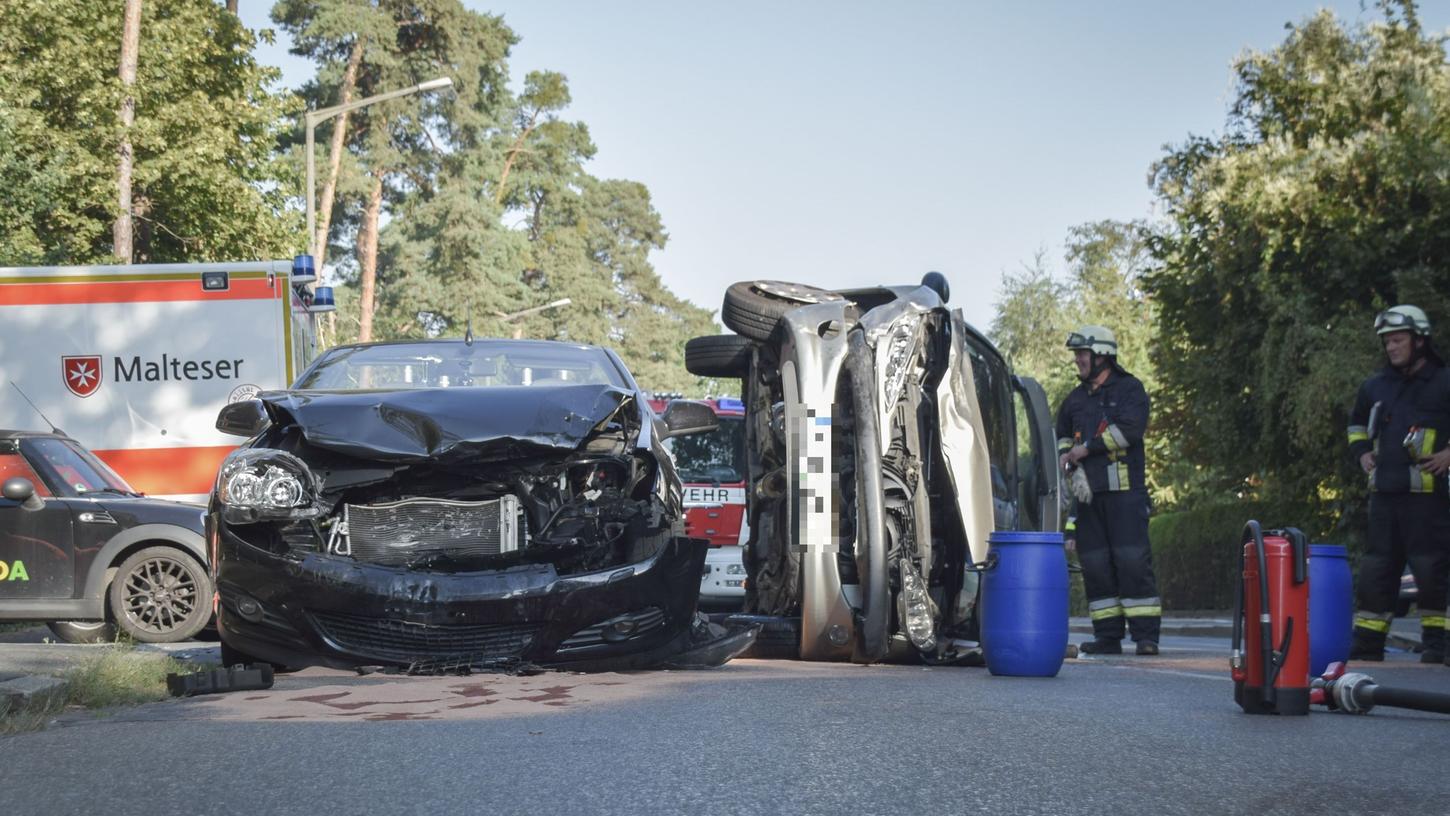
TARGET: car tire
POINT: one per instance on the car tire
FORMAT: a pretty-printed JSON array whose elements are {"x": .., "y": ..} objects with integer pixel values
[
  {"x": 753, "y": 308},
  {"x": 160, "y": 595},
  {"x": 718, "y": 355},
  {"x": 84, "y": 631}
]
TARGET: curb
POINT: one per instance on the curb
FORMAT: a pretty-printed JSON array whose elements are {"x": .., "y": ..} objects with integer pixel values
[
  {"x": 31, "y": 692},
  {"x": 1220, "y": 628}
]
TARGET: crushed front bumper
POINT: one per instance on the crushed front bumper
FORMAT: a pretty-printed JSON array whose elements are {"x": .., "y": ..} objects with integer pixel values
[{"x": 302, "y": 609}]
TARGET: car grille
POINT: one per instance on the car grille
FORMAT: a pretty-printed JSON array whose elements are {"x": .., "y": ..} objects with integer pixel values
[
  {"x": 399, "y": 641},
  {"x": 398, "y": 533}
]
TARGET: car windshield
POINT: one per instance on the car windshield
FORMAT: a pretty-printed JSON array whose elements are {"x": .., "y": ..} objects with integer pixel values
[
  {"x": 67, "y": 466},
  {"x": 449, "y": 364},
  {"x": 713, "y": 458}
]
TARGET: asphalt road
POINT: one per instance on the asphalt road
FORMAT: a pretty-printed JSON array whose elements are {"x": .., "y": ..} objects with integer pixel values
[{"x": 1107, "y": 736}]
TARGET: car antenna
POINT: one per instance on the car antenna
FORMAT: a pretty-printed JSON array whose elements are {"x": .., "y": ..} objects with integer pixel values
[
  {"x": 53, "y": 429},
  {"x": 468, "y": 332}
]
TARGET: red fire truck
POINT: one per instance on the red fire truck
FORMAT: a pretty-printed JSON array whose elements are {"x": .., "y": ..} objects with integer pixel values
[{"x": 712, "y": 468}]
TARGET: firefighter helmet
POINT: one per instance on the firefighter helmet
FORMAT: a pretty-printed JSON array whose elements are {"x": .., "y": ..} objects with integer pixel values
[
  {"x": 1402, "y": 318},
  {"x": 1097, "y": 339}
]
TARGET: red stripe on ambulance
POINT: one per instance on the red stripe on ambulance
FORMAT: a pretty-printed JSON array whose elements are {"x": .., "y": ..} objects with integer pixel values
[{"x": 39, "y": 294}]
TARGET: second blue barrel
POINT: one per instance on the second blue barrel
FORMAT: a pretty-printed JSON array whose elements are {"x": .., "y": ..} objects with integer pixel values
[
  {"x": 1331, "y": 606},
  {"x": 1024, "y": 604}
]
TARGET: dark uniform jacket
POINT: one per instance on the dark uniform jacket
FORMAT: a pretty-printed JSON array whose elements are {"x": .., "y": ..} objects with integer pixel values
[
  {"x": 1111, "y": 422},
  {"x": 1411, "y": 422}
]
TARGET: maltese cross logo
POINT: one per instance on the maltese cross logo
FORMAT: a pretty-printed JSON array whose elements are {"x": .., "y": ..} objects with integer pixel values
[{"x": 82, "y": 375}]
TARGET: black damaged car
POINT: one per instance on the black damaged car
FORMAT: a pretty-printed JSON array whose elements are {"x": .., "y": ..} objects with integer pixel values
[{"x": 453, "y": 505}]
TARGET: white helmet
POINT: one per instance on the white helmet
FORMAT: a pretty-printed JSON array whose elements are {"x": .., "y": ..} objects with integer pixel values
[
  {"x": 1402, "y": 318},
  {"x": 1097, "y": 339}
]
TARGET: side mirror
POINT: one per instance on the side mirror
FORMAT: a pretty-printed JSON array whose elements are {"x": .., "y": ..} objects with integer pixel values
[
  {"x": 683, "y": 418},
  {"x": 246, "y": 418},
  {"x": 22, "y": 490},
  {"x": 937, "y": 282}
]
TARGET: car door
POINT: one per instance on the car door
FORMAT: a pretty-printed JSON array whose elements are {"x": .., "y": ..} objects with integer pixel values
[
  {"x": 1039, "y": 486},
  {"x": 37, "y": 548}
]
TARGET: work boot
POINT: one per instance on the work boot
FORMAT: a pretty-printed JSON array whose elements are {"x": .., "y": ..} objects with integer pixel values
[
  {"x": 1102, "y": 646},
  {"x": 1434, "y": 639},
  {"x": 1147, "y": 647},
  {"x": 1367, "y": 647}
]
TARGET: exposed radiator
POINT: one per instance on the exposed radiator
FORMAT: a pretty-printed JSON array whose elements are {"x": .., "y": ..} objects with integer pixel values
[{"x": 397, "y": 533}]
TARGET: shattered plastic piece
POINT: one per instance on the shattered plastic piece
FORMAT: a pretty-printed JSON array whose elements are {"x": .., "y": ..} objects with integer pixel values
[
  {"x": 713, "y": 645},
  {"x": 252, "y": 677}
]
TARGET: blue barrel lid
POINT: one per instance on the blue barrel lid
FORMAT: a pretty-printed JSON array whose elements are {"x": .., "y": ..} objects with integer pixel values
[
  {"x": 1025, "y": 537},
  {"x": 1331, "y": 550}
]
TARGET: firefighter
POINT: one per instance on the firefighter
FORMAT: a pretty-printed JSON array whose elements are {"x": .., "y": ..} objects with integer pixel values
[
  {"x": 1397, "y": 434},
  {"x": 1100, "y": 430}
]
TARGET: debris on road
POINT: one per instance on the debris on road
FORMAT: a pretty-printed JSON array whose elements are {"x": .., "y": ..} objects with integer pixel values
[{"x": 254, "y": 677}]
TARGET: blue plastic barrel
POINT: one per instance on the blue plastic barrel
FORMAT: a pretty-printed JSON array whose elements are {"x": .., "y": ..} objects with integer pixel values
[
  {"x": 1024, "y": 604},
  {"x": 1331, "y": 606}
]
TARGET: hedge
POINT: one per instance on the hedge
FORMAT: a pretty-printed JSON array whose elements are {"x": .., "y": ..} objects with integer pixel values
[{"x": 1196, "y": 552}]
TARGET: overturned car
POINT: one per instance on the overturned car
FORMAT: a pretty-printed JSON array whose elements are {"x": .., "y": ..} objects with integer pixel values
[
  {"x": 882, "y": 436},
  {"x": 457, "y": 505}
]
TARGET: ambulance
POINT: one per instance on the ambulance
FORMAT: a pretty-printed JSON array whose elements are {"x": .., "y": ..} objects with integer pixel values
[
  {"x": 712, "y": 469},
  {"x": 135, "y": 361}
]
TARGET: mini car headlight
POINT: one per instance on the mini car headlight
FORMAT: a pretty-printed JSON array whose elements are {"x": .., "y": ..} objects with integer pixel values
[
  {"x": 259, "y": 483},
  {"x": 898, "y": 352}
]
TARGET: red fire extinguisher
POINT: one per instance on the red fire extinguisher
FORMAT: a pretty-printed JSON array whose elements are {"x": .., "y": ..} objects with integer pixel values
[{"x": 1272, "y": 607}]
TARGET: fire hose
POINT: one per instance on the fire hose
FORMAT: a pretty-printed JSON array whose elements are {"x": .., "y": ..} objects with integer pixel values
[{"x": 1355, "y": 693}]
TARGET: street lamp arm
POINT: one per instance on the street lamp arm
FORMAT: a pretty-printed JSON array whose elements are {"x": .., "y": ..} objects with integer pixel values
[
  {"x": 508, "y": 318},
  {"x": 321, "y": 114}
]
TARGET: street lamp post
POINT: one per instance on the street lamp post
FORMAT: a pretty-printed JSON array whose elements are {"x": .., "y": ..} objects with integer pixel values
[
  {"x": 519, "y": 332},
  {"x": 311, "y": 118}
]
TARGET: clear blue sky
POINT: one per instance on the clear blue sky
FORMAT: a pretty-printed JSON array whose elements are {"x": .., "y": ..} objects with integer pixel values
[{"x": 854, "y": 143}]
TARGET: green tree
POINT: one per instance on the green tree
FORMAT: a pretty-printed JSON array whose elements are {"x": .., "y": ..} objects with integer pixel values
[
  {"x": 1325, "y": 200},
  {"x": 205, "y": 181},
  {"x": 1034, "y": 315},
  {"x": 491, "y": 207}
]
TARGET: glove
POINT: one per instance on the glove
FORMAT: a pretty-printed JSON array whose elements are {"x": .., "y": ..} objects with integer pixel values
[{"x": 1078, "y": 482}]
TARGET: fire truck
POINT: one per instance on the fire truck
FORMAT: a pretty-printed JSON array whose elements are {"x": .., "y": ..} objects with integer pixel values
[
  {"x": 135, "y": 361},
  {"x": 712, "y": 468}
]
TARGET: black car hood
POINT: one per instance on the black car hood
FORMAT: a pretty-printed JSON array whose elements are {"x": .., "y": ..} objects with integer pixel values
[{"x": 442, "y": 423}]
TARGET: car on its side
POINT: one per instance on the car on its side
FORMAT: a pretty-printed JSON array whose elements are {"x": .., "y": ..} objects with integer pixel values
[
  {"x": 712, "y": 470},
  {"x": 882, "y": 439},
  {"x": 444, "y": 505},
  {"x": 83, "y": 552}
]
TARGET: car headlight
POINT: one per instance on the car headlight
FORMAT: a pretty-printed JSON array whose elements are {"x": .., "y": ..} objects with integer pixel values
[
  {"x": 257, "y": 484},
  {"x": 899, "y": 348}
]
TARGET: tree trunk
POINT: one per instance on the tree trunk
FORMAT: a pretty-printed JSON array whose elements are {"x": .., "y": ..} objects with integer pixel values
[
  {"x": 513, "y": 154},
  {"x": 334, "y": 160},
  {"x": 367, "y": 247},
  {"x": 121, "y": 231}
]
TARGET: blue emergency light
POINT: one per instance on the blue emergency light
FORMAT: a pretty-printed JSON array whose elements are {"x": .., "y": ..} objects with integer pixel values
[
  {"x": 322, "y": 300},
  {"x": 303, "y": 270},
  {"x": 731, "y": 404}
]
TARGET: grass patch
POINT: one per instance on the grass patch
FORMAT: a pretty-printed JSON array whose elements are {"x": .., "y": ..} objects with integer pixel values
[
  {"x": 117, "y": 676},
  {"x": 122, "y": 677}
]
